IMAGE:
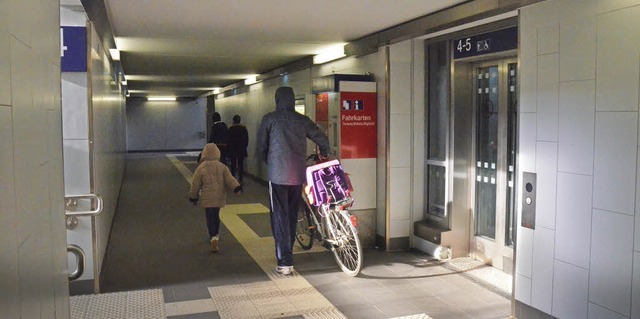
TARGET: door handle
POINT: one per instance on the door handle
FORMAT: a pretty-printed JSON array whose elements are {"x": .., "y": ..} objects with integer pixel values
[
  {"x": 80, "y": 257},
  {"x": 71, "y": 204}
]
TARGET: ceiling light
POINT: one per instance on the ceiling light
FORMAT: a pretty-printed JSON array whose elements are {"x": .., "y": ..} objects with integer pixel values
[
  {"x": 161, "y": 98},
  {"x": 115, "y": 54},
  {"x": 329, "y": 54},
  {"x": 250, "y": 80},
  {"x": 124, "y": 82},
  {"x": 216, "y": 90}
]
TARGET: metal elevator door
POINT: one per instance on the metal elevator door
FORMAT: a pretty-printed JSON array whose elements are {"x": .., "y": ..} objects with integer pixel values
[{"x": 493, "y": 150}]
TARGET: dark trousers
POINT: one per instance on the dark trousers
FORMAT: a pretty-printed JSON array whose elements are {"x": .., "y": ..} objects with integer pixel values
[
  {"x": 213, "y": 220},
  {"x": 285, "y": 200},
  {"x": 237, "y": 163}
]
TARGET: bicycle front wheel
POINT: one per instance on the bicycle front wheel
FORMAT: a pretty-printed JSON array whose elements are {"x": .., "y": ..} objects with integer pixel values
[
  {"x": 347, "y": 249},
  {"x": 305, "y": 230}
]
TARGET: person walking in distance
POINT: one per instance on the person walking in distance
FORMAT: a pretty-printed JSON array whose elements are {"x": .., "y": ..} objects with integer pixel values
[
  {"x": 219, "y": 136},
  {"x": 282, "y": 145},
  {"x": 209, "y": 186},
  {"x": 238, "y": 139}
]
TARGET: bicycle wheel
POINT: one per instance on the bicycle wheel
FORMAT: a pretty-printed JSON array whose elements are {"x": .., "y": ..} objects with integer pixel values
[
  {"x": 305, "y": 230},
  {"x": 347, "y": 249}
]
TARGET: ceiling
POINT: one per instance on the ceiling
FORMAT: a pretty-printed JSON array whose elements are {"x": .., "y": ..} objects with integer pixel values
[{"x": 187, "y": 48}]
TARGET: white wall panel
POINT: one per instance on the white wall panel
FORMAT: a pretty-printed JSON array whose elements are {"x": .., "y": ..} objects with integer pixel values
[
  {"x": 76, "y": 167},
  {"x": 618, "y": 43},
  {"x": 577, "y": 50},
  {"x": 614, "y": 176},
  {"x": 542, "y": 275},
  {"x": 8, "y": 219},
  {"x": 400, "y": 141},
  {"x": 528, "y": 67},
  {"x": 577, "y": 128},
  {"x": 611, "y": 264},
  {"x": 635, "y": 299},
  {"x": 362, "y": 173},
  {"x": 547, "y": 177},
  {"x": 19, "y": 26},
  {"x": 75, "y": 113},
  {"x": 598, "y": 312},
  {"x": 523, "y": 289},
  {"x": 5, "y": 52},
  {"x": 399, "y": 228},
  {"x": 400, "y": 81},
  {"x": 524, "y": 259},
  {"x": 547, "y": 97},
  {"x": 527, "y": 142},
  {"x": 146, "y": 128},
  {"x": 570, "y": 288},
  {"x": 400, "y": 192},
  {"x": 548, "y": 39},
  {"x": 573, "y": 219}
]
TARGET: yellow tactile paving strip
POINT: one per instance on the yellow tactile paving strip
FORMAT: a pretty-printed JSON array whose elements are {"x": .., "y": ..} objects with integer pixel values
[{"x": 281, "y": 297}]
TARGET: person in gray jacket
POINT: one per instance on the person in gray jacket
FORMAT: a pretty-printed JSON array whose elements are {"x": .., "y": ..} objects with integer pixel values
[{"x": 282, "y": 144}]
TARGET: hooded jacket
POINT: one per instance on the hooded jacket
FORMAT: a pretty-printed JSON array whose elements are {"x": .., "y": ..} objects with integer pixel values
[
  {"x": 212, "y": 179},
  {"x": 282, "y": 140}
]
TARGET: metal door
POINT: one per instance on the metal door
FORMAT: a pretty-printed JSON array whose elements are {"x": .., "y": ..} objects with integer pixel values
[{"x": 493, "y": 150}]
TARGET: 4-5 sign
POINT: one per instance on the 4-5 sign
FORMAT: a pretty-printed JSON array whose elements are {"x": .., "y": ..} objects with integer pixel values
[
  {"x": 486, "y": 43},
  {"x": 463, "y": 45}
]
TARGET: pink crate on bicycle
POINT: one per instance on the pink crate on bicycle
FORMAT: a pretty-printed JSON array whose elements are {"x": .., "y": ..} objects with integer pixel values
[{"x": 329, "y": 183}]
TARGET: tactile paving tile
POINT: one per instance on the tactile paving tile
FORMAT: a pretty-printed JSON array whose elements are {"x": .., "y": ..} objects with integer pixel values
[
  {"x": 485, "y": 275},
  {"x": 324, "y": 314},
  {"x": 142, "y": 304},
  {"x": 420, "y": 316}
]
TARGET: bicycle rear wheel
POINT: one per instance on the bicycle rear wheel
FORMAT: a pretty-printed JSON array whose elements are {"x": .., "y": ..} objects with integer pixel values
[
  {"x": 347, "y": 249},
  {"x": 305, "y": 229}
]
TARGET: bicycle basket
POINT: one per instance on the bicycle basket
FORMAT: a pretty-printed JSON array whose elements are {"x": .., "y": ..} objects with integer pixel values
[{"x": 329, "y": 181}]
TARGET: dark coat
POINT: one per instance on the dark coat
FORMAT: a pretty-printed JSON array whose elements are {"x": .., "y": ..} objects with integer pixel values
[
  {"x": 282, "y": 140},
  {"x": 238, "y": 140}
]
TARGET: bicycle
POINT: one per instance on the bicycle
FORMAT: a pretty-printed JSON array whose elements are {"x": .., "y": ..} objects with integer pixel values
[{"x": 324, "y": 215}]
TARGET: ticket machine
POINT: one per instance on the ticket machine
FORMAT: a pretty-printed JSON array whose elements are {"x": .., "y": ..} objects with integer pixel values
[{"x": 346, "y": 109}]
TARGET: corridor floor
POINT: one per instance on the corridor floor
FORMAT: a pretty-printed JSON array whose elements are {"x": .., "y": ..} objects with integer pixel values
[{"x": 158, "y": 264}]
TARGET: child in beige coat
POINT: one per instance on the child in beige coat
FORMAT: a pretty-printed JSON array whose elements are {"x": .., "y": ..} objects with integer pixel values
[{"x": 209, "y": 186}]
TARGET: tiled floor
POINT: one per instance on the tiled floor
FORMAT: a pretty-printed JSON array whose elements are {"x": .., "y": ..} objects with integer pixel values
[{"x": 240, "y": 282}]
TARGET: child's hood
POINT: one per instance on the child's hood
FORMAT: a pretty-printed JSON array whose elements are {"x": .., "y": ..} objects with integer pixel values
[{"x": 210, "y": 153}]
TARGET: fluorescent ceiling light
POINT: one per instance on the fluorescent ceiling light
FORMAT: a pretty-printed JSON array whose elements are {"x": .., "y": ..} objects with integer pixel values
[
  {"x": 161, "y": 98},
  {"x": 216, "y": 90},
  {"x": 330, "y": 54},
  {"x": 250, "y": 80},
  {"x": 115, "y": 54}
]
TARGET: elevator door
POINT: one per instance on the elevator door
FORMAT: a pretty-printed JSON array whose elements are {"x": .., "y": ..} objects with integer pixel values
[{"x": 493, "y": 149}]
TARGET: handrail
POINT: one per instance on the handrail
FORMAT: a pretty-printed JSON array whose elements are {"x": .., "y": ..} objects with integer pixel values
[
  {"x": 80, "y": 257},
  {"x": 72, "y": 201}
]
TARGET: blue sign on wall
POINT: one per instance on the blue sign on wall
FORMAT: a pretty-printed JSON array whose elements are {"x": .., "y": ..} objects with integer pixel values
[
  {"x": 73, "y": 49},
  {"x": 490, "y": 42}
]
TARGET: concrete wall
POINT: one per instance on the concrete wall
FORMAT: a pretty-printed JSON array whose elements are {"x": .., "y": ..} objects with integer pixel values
[
  {"x": 166, "y": 125},
  {"x": 33, "y": 262},
  {"x": 580, "y": 71}
]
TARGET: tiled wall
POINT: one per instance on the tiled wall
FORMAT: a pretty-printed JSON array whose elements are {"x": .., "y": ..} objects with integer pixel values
[
  {"x": 400, "y": 143},
  {"x": 580, "y": 74},
  {"x": 166, "y": 125},
  {"x": 33, "y": 261}
]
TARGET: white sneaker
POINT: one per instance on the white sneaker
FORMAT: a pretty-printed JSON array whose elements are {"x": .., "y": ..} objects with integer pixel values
[
  {"x": 285, "y": 270},
  {"x": 214, "y": 244}
]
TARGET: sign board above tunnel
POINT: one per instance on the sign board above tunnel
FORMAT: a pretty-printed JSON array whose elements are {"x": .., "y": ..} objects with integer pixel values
[
  {"x": 73, "y": 49},
  {"x": 486, "y": 43}
]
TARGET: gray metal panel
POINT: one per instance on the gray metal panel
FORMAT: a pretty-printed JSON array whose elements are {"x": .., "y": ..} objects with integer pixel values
[{"x": 529, "y": 200}]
